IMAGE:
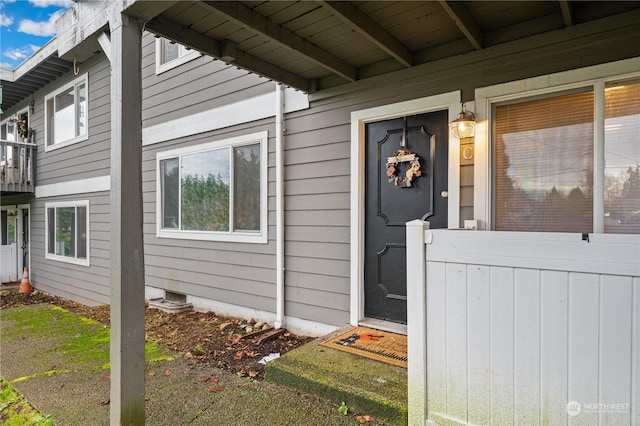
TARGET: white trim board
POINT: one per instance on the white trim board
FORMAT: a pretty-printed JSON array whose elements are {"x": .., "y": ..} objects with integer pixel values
[
  {"x": 256, "y": 108},
  {"x": 446, "y": 101},
  {"x": 97, "y": 184}
]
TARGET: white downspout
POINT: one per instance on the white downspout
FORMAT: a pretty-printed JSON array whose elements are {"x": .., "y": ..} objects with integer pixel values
[{"x": 279, "y": 323}]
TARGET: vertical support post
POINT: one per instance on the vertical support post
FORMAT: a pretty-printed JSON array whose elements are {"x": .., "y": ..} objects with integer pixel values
[
  {"x": 417, "y": 321},
  {"x": 127, "y": 257}
]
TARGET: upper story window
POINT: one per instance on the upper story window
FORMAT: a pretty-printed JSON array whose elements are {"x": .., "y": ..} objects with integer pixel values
[
  {"x": 569, "y": 162},
  {"x": 169, "y": 55},
  {"x": 66, "y": 114},
  {"x": 67, "y": 231},
  {"x": 215, "y": 191}
]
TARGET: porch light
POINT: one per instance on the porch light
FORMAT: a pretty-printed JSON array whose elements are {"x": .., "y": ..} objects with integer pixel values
[{"x": 464, "y": 125}]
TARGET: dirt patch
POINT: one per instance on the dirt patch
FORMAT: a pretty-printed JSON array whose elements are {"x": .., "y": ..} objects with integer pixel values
[{"x": 218, "y": 341}]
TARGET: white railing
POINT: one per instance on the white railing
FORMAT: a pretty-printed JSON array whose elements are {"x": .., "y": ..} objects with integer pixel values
[
  {"x": 17, "y": 166},
  {"x": 523, "y": 328}
]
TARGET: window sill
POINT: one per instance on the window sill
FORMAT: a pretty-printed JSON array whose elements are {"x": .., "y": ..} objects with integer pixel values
[
  {"x": 236, "y": 237},
  {"x": 59, "y": 145},
  {"x": 75, "y": 261}
]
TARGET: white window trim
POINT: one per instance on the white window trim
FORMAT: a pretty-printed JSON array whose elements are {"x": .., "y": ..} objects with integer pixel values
[
  {"x": 183, "y": 59},
  {"x": 50, "y": 256},
  {"x": 235, "y": 236},
  {"x": 82, "y": 79},
  {"x": 595, "y": 76}
]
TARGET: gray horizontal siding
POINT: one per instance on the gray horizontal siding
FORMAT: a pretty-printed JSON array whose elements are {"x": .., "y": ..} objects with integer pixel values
[
  {"x": 236, "y": 273},
  {"x": 317, "y": 157},
  {"x": 89, "y": 285},
  {"x": 198, "y": 85},
  {"x": 86, "y": 159}
]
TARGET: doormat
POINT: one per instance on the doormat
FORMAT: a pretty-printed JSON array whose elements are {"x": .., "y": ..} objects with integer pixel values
[{"x": 375, "y": 344}]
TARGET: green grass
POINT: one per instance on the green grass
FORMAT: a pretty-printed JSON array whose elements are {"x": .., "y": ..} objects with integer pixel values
[
  {"x": 16, "y": 411},
  {"x": 89, "y": 345}
]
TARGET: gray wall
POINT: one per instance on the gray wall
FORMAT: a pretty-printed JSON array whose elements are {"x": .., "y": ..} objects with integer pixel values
[
  {"x": 86, "y": 159},
  {"x": 318, "y": 141},
  {"x": 89, "y": 285},
  {"x": 236, "y": 273}
]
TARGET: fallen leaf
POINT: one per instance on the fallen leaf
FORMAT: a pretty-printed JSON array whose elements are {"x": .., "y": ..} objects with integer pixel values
[
  {"x": 152, "y": 373},
  {"x": 211, "y": 379},
  {"x": 250, "y": 354},
  {"x": 105, "y": 402},
  {"x": 224, "y": 325},
  {"x": 188, "y": 355},
  {"x": 168, "y": 373},
  {"x": 238, "y": 355},
  {"x": 252, "y": 374},
  {"x": 366, "y": 419},
  {"x": 216, "y": 389}
]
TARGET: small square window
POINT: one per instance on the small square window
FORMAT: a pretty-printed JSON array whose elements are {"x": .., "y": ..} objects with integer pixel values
[
  {"x": 170, "y": 55},
  {"x": 66, "y": 114},
  {"x": 67, "y": 232}
]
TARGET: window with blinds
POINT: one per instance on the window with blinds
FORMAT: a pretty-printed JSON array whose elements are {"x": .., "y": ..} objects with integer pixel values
[{"x": 543, "y": 164}]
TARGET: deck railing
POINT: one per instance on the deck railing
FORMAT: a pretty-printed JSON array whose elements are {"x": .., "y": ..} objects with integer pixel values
[{"x": 17, "y": 166}]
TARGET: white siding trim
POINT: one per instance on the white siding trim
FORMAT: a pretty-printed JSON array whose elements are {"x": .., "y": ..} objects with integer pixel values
[
  {"x": 545, "y": 84},
  {"x": 449, "y": 101},
  {"x": 97, "y": 184},
  {"x": 256, "y": 108}
]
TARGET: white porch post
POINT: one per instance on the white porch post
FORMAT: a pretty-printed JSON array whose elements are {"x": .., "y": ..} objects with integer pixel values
[
  {"x": 417, "y": 322},
  {"x": 127, "y": 258}
]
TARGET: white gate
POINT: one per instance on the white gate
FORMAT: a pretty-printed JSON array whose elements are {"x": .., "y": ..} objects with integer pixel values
[{"x": 523, "y": 328}]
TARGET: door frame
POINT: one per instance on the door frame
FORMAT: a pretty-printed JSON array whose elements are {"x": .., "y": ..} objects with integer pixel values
[
  {"x": 449, "y": 101},
  {"x": 19, "y": 230}
]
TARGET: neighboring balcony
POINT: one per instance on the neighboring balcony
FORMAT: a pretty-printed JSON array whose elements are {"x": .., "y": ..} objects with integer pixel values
[{"x": 17, "y": 166}]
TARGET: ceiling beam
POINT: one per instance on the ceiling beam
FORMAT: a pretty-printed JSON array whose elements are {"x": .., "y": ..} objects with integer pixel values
[
  {"x": 225, "y": 50},
  {"x": 257, "y": 23},
  {"x": 567, "y": 13},
  {"x": 459, "y": 13},
  {"x": 370, "y": 29}
]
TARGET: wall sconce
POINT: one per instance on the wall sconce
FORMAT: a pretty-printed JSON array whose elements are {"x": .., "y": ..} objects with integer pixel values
[
  {"x": 32, "y": 104},
  {"x": 464, "y": 125}
]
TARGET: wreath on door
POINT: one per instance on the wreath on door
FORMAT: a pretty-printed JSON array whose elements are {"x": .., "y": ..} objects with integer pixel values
[{"x": 393, "y": 168}]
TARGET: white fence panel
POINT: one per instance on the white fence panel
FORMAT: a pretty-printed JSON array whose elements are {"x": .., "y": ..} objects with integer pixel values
[
  {"x": 8, "y": 268},
  {"x": 523, "y": 328}
]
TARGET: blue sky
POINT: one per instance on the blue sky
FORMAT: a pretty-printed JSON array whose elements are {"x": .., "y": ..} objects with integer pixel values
[{"x": 26, "y": 26}]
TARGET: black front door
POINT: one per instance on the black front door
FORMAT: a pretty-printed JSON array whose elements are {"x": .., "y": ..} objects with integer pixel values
[{"x": 391, "y": 202}]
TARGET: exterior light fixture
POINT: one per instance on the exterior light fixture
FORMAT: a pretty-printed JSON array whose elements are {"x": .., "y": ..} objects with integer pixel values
[{"x": 464, "y": 125}]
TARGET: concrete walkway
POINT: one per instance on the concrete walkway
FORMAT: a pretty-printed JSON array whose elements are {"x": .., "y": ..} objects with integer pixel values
[{"x": 57, "y": 362}]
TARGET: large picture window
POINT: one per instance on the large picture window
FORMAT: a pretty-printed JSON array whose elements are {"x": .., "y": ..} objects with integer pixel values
[
  {"x": 216, "y": 191},
  {"x": 67, "y": 231},
  {"x": 554, "y": 171},
  {"x": 66, "y": 114},
  {"x": 170, "y": 55}
]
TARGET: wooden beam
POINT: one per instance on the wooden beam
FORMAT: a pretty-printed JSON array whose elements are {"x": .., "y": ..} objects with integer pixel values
[
  {"x": 257, "y": 23},
  {"x": 459, "y": 13},
  {"x": 127, "y": 395},
  {"x": 567, "y": 13},
  {"x": 105, "y": 42},
  {"x": 224, "y": 50},
  {"x": 371, "y": 30}
]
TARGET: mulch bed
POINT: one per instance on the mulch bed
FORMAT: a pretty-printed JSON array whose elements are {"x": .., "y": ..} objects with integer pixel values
[{"x": 218, "y": 341}]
